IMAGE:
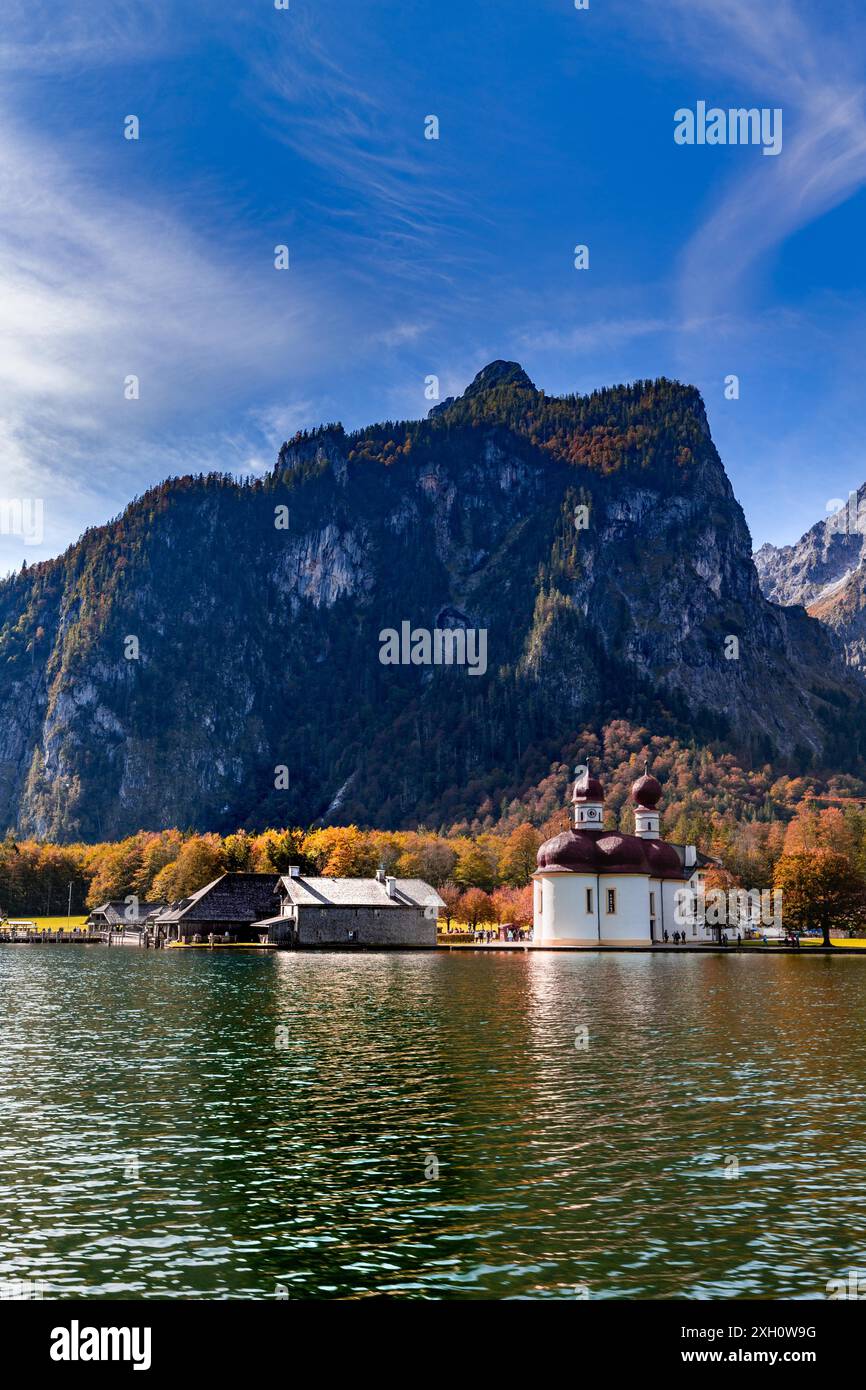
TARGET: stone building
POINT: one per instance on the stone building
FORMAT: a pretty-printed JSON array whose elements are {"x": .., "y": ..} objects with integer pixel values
[
  {"x": 380, "y": 911},
  {"x": 231, "y": 908}
]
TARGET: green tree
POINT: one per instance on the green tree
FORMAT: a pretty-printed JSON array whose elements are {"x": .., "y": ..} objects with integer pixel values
[
  {"x": 275, "y": 851},
  {"x": 238, "y": 852}
]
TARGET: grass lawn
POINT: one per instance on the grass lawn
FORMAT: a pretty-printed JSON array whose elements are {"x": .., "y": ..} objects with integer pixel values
[
  {"x": 857, "y": 942},
  {"x": 51, "y": 923}
]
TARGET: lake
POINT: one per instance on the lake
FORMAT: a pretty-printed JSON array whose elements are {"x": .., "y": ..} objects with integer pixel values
[{"x": 187, "y": 1125}]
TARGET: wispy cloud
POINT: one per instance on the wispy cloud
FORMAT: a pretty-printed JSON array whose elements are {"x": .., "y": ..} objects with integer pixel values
[
  {"x": 781, "y": 56},
  {"x": 358, "y": 121},
  {"x": 601, "y": 333},
  {"x": 95, "y": 288},
  {"x": 409, "y": 257},
  {"x": 399, "y": 334},
  {"x": 38, "y": 36}
]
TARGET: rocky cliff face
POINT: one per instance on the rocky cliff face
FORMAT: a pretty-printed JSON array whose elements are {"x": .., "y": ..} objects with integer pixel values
[
  {"x": 825, "y": 572},
  {"x": 213, "y": 657}
]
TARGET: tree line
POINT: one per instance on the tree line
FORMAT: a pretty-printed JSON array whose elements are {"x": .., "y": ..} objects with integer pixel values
[
  {"x": 817, "y": 857},
  {"x": 480, "y": 877}
]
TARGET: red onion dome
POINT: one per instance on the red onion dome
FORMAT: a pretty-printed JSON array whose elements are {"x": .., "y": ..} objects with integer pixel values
[
  {"x": 573, "y": 849},
  {"x": 588, "y": 789},
  {"x": 607, "y": 851},
  {"x": 647, "y": 792},
  {"x": 664, "y": 860},
  {"x": 623, "y": 853}
]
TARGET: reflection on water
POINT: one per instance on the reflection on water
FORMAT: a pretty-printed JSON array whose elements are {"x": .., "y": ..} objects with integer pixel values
[{"x": 429, "y": 1127}]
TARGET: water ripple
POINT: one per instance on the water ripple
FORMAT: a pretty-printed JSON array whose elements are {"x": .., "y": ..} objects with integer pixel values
[{"x": 430, "y": 1128}]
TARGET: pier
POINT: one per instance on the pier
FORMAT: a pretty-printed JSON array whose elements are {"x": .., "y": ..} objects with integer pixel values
[
  {"x": 24, "y": 934},
  {"x": 28, "y": 934}
]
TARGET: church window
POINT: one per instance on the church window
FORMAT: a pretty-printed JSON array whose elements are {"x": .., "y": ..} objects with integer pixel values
[
  {"x": 589, "y": 900},
  {"x": 611, "y": 900}
]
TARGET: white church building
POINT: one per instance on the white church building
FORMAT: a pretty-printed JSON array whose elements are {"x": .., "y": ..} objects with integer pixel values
[{"x": 597, "y": 885}]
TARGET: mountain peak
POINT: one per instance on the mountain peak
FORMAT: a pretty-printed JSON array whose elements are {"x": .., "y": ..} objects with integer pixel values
[
  {"x": 471, "y": 523},
  {"x": 499, "y": 373}
]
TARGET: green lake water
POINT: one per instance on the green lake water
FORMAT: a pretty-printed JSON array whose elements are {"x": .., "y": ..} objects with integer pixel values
[{"x": 428, "y": 1127}]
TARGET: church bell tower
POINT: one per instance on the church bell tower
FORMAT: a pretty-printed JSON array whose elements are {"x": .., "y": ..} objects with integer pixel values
[
  {"x": 588, "y": 801},
  {"x": 646, "y": 794}
]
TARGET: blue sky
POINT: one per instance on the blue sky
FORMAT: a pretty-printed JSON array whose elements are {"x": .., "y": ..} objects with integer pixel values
[{"x": 411, "y": 257}]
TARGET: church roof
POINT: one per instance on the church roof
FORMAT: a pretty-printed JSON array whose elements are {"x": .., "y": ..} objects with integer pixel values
[
  {"x": 702, "y": 861},
  {"x": 609, "y": 852},
  {"x": 592, "y": 849}
]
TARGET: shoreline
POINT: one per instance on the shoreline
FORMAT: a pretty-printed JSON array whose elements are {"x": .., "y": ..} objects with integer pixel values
[
  {"x": 501, "y": 947},
  {"x": 657, "y": 948}
]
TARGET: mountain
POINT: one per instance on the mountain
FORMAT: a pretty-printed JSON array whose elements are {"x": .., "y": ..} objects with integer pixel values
[
  {"x": 211, "y": 658},
  {"x": 825, "y": 571}
]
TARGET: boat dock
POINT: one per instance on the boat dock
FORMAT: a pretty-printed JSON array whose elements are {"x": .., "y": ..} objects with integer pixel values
[{"x": 28, "y": 934}]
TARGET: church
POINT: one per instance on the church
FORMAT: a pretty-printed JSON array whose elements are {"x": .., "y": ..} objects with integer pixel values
[{"x": 597, "y": 885}]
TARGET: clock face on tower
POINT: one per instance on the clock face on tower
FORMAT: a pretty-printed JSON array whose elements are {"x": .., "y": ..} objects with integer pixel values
[{"x": 592, "y": 815}]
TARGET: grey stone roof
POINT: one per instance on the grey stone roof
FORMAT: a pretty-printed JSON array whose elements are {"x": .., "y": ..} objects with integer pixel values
[
  {"x": 115, "y": 910},
  {"x": 702, "y": 861},
  {"x": 229, "y": 898},
  {"x": 358, "y": 892}
]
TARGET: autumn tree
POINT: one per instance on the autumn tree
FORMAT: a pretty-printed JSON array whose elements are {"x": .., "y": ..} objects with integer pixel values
[
  {"x": 476, "y": 907},
  {"x": 803, "y": 834},
  {"x": 820, "y": 889},
  {"x": 501, "y": 900},
  {"x": 475, "y": 867},
  {"x": 341, "y": 851},
  {"x": 386, "y": 849},
  {"x": 513, "y": 906},
  {"x": 238, "y": 853},
  {"x": 200, "y": 861},
  {"x": 521, "y": 907},
  {"x": 451, "y": 896},
  {"x": 519, "y": 855},
  {"x": 160, "y": 849},
  {"x": 116, "y": 867},
  {"x": 275, "y": 851},
  {"x": 426, "y": 856},
  {"x": 35, "y": 878}
]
